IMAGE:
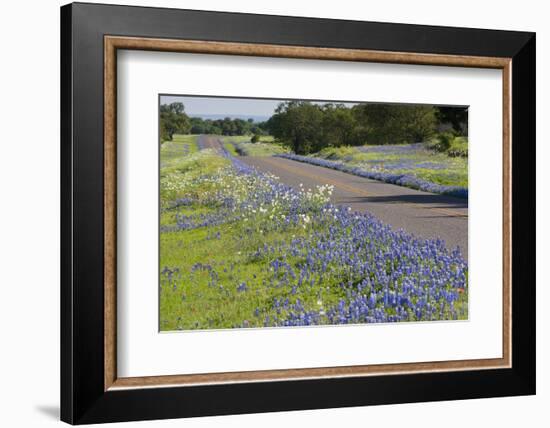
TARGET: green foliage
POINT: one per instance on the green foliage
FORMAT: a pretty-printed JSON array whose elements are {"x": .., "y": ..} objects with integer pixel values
[
  {"x": 177, "y": 170},
  {"x": 441, "y": 142},
  {"x": 226, "y": 126},
  {"x": 449, "y": 143},
  {"x": 173, "y": 120},
  {"x": 396, "y": 123},
  {"x": 339, "y": 126},
  {"x": 164, "y": 134},
  {"x": 230, "y": 147},
  {"x": 180, "y": 146},
  {"x": 299, "y": 125},
  {"x": 306, "y": 127},
  {"x": 456, "y": 116},
  {"x": 422, "y": 161},
  {"x": 344, "y": 153},
  {"x": 459, "y": 147},
  {"x": 243, "y": 146}
]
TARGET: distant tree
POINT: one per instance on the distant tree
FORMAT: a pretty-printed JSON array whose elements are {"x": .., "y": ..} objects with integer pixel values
[
  {"x": 173, "y": 120},
  {"x": 225, "y": 126},
  {"x": 164, "y": 135},
  {"x": 339, "y": 126},
  {"x": 456, "y": 116},
  {"x": 395, "y": 123},
  {"x": 264, "y": 127},
  {"x": 309, "y": 127},
  {"x": 177, "y": 107},
  {"x": 241, "y": 127},
  {"x": 298, "y": 124},
  {"x": 256, "y": 130},
  {"x": 214, "y": 129}
]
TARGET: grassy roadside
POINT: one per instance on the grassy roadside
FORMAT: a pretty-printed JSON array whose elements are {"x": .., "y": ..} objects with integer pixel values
[
  {"x": 242, "y": 146},
  {"x": 239, "y": 249},
  {"x": 180, "y": 146},
  {"x": 421, "y": 166},
  {"x": 413, "y": 159}
]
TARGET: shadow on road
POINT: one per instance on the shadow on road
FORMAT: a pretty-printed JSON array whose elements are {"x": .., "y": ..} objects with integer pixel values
[{"x": 437, "y": 201}]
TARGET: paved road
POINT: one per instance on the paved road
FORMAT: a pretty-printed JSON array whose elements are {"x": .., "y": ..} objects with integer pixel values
[
  {"x": 209, "y": 142},
  {"x": 423, "y": 214}
]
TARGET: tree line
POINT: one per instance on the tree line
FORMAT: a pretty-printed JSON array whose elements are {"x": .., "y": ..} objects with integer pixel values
[
  {"x": 174, "y": 120},
  {"x": 307, "y": 127}
]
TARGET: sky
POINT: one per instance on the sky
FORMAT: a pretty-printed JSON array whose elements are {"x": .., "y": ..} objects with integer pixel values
[{"x": 200, "y": 106}]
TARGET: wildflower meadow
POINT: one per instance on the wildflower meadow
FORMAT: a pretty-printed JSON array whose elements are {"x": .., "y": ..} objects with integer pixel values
[
  {"x": 410, "y": 165},
  {"x": 240, "y": 249}
]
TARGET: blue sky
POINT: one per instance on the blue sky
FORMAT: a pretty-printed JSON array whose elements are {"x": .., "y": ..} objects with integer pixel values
[{"x": 196, "y": 106}]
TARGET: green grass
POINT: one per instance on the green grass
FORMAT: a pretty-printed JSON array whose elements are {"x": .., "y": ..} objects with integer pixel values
[
  {"x": 237, "y": 139},
  {"x": 228, "y": 249},
  {"x": 459, "y": 147},
  {"x": 180, "y": 145},
  {"x": 265, "y": 147},
  {"x": 177, "y": 171},
  {"x": 199, "y": 304},
  {"x": 449, "y": 144},
  {"x": 230, "y": 147},
  {"x": 266, "y": 139},
  {"x": 429, "y": 165},
  {"x": 246, "y": 138},
  {"x": 201, "y": 267}
]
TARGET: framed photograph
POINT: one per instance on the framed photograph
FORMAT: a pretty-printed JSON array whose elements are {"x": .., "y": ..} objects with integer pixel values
[{"x": 265, "y": 213}]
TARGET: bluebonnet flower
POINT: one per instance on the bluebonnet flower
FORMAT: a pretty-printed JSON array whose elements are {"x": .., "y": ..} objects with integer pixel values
[
  {"x": 406, "y": 180},
  {"x": 381, "y": 274}
]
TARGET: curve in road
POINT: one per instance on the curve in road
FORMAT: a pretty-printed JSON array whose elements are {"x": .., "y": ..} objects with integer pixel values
[{"x": 423, "y": 214}]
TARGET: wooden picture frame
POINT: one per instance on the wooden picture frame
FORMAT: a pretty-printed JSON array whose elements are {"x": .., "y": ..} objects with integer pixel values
[{"x": 91, "y": 390}]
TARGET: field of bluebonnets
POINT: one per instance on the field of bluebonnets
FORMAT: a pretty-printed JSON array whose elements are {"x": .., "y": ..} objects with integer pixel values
[
  {"x": 241, "y": 249},
  {"x": 412, "y": 165}
]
